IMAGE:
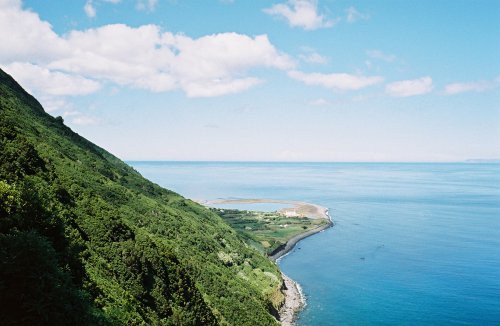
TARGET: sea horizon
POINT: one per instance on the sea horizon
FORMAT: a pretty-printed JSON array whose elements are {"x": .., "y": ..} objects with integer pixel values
[
  {"x": 468, "y": 161},
  {"x": 158, "y": 157},
  {"x": 413, "y": 243}
]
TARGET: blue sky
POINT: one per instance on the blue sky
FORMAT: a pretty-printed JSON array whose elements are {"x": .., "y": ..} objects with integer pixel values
[{"x": 293, "y": 80}]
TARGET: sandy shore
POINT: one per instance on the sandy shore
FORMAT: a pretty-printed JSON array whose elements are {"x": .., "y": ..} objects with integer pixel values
[
  {"x": 300, "y": 208},
  {"x": 294, "y": 299},
  {"x": 297, "y": 208}
]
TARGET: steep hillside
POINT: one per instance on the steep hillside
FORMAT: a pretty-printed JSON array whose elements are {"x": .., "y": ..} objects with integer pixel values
[{"x": 84, "y": 239}]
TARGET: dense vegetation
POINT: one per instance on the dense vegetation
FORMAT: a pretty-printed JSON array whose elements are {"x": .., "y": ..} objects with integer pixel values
[
  {"x": 85, "y": 240},
  {"x": 267, "y": 231}
]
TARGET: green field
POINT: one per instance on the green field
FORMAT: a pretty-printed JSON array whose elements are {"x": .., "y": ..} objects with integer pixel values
[{"x": 266, "y": 231}]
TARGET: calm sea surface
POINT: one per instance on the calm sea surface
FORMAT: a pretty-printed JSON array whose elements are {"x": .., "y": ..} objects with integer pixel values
[{"x": 413, "y": 244}]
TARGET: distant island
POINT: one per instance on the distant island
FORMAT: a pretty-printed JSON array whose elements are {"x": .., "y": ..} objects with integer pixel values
[{"x": 483, "y": 160}]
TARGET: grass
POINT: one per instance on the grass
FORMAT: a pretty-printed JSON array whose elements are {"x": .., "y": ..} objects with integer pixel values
[{"x": 266, "y": 231}]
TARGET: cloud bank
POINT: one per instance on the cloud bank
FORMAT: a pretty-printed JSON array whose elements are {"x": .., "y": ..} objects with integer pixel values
[
  {"x": 144, "y": 57},
  {"x": 52, "y": 82}
]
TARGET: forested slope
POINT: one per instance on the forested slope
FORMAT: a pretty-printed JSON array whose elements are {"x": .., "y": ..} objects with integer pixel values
[{"x": 84, "y": 239}]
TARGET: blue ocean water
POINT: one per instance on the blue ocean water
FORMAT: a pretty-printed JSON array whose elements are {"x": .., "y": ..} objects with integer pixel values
[{"x": 413, "y": 244}]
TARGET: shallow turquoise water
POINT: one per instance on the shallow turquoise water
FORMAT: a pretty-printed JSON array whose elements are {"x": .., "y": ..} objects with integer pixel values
[{"x": 413, "y": 244}]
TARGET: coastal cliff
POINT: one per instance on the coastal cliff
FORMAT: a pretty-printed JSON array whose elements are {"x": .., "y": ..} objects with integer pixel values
[{"x": 85, "y": 239}]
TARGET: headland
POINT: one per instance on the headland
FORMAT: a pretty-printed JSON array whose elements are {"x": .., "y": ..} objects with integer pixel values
[{"x": 296, "y": 211}]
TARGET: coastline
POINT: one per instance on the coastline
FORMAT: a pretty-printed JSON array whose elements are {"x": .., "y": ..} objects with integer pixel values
[
  {"x": 294, "y": 298},
  {"x": 301, "y": 208},
  {"x": 294, "y": 301},
  {"x": 290, "y": 244}
]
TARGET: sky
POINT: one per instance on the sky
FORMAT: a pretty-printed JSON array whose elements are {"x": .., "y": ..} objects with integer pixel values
[{"x": 284, "y": 80}]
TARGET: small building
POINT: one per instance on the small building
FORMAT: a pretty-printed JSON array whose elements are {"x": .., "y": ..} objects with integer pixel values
[{"x": 291, "y": 213}]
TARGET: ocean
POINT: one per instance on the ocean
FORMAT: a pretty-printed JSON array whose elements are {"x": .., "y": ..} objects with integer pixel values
[{"x": 413, "y": 244}]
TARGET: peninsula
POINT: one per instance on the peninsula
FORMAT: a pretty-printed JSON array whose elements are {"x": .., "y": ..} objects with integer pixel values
[{"x": 275, "y": 234}]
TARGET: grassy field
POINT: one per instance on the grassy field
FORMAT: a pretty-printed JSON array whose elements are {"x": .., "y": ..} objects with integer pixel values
[{"x": 266, "y": 231}]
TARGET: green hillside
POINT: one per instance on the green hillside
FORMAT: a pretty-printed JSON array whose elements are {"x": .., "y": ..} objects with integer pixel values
[{"x": 85, "y": 240}]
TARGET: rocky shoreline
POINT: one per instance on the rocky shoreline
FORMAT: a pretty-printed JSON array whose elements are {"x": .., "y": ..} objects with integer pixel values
[
  {"x": 294, "y": 298},
  {"x": 294, "y": 301}
]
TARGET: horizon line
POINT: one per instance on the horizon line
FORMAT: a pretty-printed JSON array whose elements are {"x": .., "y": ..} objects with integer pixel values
[{"x": 468, "y": 161}]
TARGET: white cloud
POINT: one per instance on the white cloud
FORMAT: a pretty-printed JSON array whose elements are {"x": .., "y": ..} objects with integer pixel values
[
  {"x": 339, "y": 81},
  {"x": 118, "y": 53},
  {"x": 311, "y": 56},
  {"x": 148, "y": 5},
  {"x": 143, "y": 57},
  {"x": 377, "y": 54},
  {"x": 411, "y": 87},
  {"x": 353, "y": 15},
  {"x": 139, "y": 57},
  {"x": 456, "y": 88},
  {"x": 112, "y": 1},
  {"x": 56, "y": 83},
  {"x": 89, "y": 9},
  {"x": 24, "y": 37},
  {"x": 222, "y": 55},
  {"x": 4, "y": 4},
  {"x": 301, "y": 13}
]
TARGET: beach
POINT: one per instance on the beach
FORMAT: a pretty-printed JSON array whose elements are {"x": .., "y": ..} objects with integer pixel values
[{"x": 299, "y": 207}]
